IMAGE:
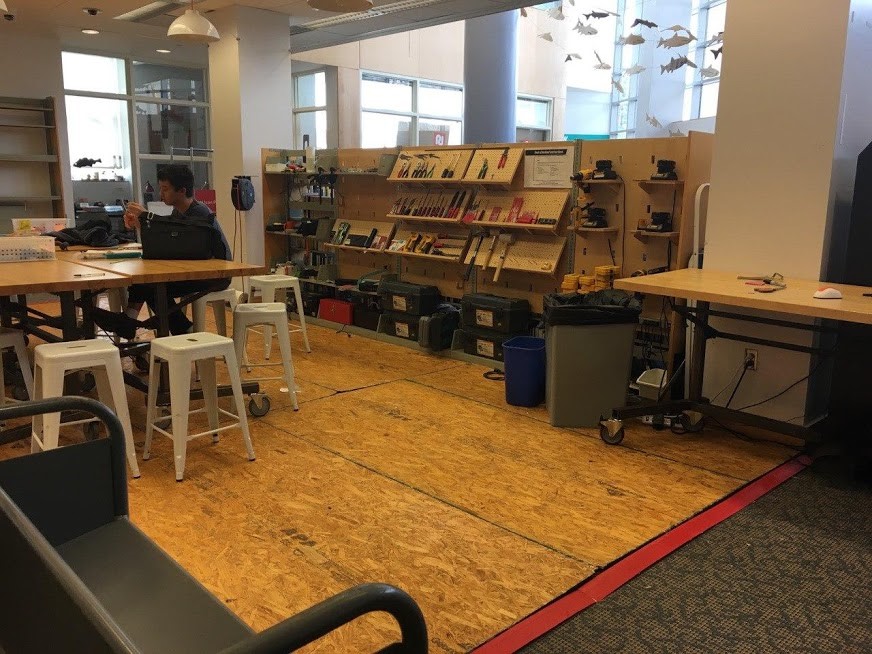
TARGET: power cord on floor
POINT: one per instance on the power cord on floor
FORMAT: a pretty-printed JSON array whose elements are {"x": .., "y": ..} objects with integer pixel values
[
  {"x": 495, "y": 375},
  {"x": 786, "y": 390}
]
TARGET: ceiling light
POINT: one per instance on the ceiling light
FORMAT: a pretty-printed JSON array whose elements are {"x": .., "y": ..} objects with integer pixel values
[
  {"x": 90, "y": 32},
  {"x": 163, "y": 50},
  {"x": 341, "y": 6},
  {"x": 193, "y": 27}
]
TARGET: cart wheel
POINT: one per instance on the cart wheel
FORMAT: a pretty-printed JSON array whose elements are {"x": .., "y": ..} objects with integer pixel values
[
  {"x": 19, "y": 392},
  {"x": 141, "y": 362},
  {"x": 691, "y": 421},
  {"x": 612, "y": 431},
  {"x": 91, "y": 431},
  {"x": 88, "y": 383},
  {"x": 259, "y": 410}
]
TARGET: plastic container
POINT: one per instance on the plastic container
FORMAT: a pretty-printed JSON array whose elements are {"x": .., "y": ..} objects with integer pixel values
[
  {"x": 27, "y": 248},
  {"x": 650, "y": 383},
  {"x": 34, "y": 226},
  {"x": 524, "y": 358}
]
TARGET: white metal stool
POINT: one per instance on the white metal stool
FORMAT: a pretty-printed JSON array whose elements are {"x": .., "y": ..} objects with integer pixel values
[
  {"x": 217, "y": 301},
  {"x": 268, "y": 285},
  {"x": 179, "y": 352},
  {"x": 13, "y": 338},
  {"x": 272, "y": 315},
  {"x": 53, "y": 362}
]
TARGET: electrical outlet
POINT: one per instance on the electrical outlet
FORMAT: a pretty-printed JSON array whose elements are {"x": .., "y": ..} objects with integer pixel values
[{"x": 753, "y": 356}]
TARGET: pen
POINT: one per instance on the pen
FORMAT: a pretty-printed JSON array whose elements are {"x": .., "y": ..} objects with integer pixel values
[{"x": 89, "y": 274}]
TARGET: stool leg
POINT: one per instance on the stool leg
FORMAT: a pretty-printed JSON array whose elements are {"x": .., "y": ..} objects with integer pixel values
[
  {"x": 198, "y": 315},
  {"x": 287, "y": 362},
  {"x": 151, "y": 404},
  {"x": 236, "y": 383},
  {"x": 220, "y": 317},
  {"x": 24, "y": 364},
  {"x": 298, "y": 297},
  {"x": 110, "y": 385},
  {"x": 44, "y": 436},
  {"x": 209, "y": 384},
  {"x": 268, "y": 294},
  {"x": 180, "y": 403}
]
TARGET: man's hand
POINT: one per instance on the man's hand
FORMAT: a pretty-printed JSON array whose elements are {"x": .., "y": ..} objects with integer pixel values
[{"x": 131, "y": 215}]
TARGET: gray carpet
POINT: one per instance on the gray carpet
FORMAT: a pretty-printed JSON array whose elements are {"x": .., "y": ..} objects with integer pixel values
[{"x": 790, "y": 573}]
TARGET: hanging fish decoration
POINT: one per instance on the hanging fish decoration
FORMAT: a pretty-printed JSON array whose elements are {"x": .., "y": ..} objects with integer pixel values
[
  {"x": 547, "y": 37},
  {"x": 601, "y": 65},
  {"x": 674, "y": 41},
  {"x": 709, "y": 72},
  {"x": 680, "y": 28},
  {"x": 677, "y": 132},
  {"x": 652, "y": 120},
  {"x": 717, "y": 38},
  {"x": 632, "y": 39},
  {"x": 634, "y": 70},
  {"x": 618, "y": 86},
  {"x": 557, "y": 13},
  {"x": 598, "y": 14},
  {"x": 646, "y": 23},
  {"x": 675, "y": 63},
  {"x": 85, "y": 162},
  {"x": 717, "y": 52},
  {"x": 585, "y": 30},
  {"x": 523, "y": 12},
  {"x": 574, "y": 55}
]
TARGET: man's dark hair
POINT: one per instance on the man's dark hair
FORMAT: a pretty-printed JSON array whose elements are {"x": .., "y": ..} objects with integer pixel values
[{"x": 179, "y": 176}]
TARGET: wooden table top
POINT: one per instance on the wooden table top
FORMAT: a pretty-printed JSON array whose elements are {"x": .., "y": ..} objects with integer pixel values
[
  {"x": 724, "y": 288},
  {"x": 149, "y": 271},
  {"x": 55, "y": 275}
]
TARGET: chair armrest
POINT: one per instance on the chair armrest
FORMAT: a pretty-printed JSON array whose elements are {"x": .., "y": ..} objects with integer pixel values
[{"x": 319, "y": 620}]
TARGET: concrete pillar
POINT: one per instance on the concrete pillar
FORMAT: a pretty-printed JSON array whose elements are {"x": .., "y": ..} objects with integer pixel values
[
  {"x": 252, "y": 107},
  {"x": 490, "y": 78}
]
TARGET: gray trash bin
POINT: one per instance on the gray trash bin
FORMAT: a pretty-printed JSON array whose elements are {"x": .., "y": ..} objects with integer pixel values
[{"x": 589, "y": 353}]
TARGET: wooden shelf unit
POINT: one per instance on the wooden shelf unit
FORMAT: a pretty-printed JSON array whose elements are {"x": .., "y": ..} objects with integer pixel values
[
  {"x": 30, "y": 166},
  {"x": 492, "y": 157},
  {"x": 455, "y": 160},
  {"x": 597, "y": 230}
]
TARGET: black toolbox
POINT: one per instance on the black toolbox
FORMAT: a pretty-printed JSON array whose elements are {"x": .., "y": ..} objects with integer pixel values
[
  {"x": 367, "y": 309},
  {"x": 401, "y": 325},
  {"x": 487, "y": 344},
  {"x": 412, "y": 299},
  {"x": 437, "y": 331},
  {"x": 500, "y": 314}
]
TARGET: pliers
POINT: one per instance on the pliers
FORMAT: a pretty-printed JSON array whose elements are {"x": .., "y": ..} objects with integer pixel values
[{"x": 765, "y": 283}]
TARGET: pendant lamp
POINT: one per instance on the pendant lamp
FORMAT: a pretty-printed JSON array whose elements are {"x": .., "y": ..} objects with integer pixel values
[
  {"x": 193, "y": 27},
  {"x": 341, "y": 6}
]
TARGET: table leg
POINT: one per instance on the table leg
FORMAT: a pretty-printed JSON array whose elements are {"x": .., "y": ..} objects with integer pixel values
[
  {"x": 88, "y": 329},
  {"x": 162, "y": 309},
  {"x": 5, "y": 311},
  {"x": 697, "y": 354},
  {"x": 69, "y": 316}
]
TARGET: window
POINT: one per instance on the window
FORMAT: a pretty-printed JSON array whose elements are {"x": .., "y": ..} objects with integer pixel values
[
  {"x": 533, "y": 119},
  {"x": 310, "y": 109},
  {"x": 398, "y": 111},
  {"x": 133, "y": 117},
  {"x": 703, "y": 82},
  {"x": 625, "y": 88}
]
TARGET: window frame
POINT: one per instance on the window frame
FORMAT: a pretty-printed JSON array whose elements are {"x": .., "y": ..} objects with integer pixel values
[
  {"x": 309, "y": 109},
  {"x": 548, "y": 128},
  {"x": 632, "y": 96},
  {"x": 694, "y": 90},
  {"x": 131, "y": 100},
  {"x": 415, "y": 116}
]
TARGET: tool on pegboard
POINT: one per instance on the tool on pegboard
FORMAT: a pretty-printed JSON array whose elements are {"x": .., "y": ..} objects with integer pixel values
[
  {"x": 506, "y": 240},
  {"x": 490, "y": 251}
]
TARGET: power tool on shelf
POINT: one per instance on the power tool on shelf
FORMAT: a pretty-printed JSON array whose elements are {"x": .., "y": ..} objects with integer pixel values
[
  {"x": 665, "y": 170},
  {"x": 604, "y": 170},
  {"x": 661, "y": 221},
  {"x": 596, "y": 218}
]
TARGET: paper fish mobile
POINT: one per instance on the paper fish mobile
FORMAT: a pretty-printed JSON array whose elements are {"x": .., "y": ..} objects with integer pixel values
[
  {"x": 680, "y": 28},
  {"x": 717, "y": 38},
  {"x": 652, "y": 120},
  {"x": 601, "y": 65},
  {"x": 632, "y": 39},
  {"x": 708, "y": 72},
  {"x": 675, "y": 63},
  {"x": 646, "y": 23},
  {"x": 634, "y": 70},
  {"x": 585, "y": 30},
  {"x": 523, "y": 12},
  {"x": 599, "y": 14},
  {"x": 717, "y": 52},
  {"x": 618, "y": 86},
  {"x": 85, "y": 162},
  {"x": 547, "y": 37},
  {"x": 674, "y": 41},
  {"x": 557, "y": 13}
]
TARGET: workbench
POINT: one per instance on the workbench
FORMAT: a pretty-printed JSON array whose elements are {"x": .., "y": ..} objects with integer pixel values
[{"x": 699, "y": 289}]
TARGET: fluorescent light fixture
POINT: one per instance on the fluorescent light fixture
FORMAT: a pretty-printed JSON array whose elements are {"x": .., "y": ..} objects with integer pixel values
[
  {"x": 90, "y": 32},
  {"x": 163, "y": 50},
  {"x": 341, "y": 6},
  {"x": 193, "y": 27}
]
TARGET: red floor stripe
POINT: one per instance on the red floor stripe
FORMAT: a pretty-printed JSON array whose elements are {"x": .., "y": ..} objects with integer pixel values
[{"x": 609, "y": 580}]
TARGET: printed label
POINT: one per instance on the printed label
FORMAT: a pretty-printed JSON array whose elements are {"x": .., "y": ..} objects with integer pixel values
[
  {"x": 484, "y": 318},
  {"x": 400, "y": 303},
  {"x": 485, "y": 348},
  {"x": 402, "y": 329}
]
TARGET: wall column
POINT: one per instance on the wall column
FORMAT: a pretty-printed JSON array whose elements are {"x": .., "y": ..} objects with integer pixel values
[
  {"x": 490, "y": 78},
  {"x": 252, "y": 107}
]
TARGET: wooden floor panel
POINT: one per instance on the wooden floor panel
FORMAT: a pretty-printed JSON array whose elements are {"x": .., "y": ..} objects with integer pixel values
[
  {"x": 712, "y": 449},
  {"x": 410, "y": 469}
]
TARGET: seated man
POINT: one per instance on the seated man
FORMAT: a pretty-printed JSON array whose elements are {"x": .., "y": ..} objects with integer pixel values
[{"x": 176, "y": 183}]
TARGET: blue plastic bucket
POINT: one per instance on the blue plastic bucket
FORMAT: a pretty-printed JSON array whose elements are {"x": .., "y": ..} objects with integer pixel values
[{"x": 524, "y": 358}]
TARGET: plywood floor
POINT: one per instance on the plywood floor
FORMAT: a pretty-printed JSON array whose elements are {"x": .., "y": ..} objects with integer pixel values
[{"x": 411, "y": 470}]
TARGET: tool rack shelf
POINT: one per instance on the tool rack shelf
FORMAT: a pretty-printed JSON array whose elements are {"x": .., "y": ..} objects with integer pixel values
[
  {"x": 432, "y": 257},
  {"x": 439, "y": 166},
  {"x": 352, "y": 248},
  {"x": 529, "y": 228},
  {"x": 643, "y": 234},
  {"x": 493, "y": 173},
  {"x": 660, "y": 182},
  {"x": 590, "y": 231},
  {"x": 425, "y": 219}
]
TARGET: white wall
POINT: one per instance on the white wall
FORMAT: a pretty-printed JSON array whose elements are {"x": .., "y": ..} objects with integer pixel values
[
  {"x": 587, "y": 112},
  {"x": 770, "y": 199}
]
